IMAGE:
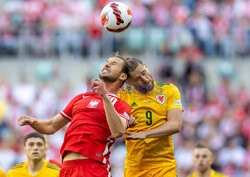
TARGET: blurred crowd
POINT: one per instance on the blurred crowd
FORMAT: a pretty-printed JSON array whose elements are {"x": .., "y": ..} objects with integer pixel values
[
  {"x": 48, "y": 28},
  {"x": 220, "y": 118}
]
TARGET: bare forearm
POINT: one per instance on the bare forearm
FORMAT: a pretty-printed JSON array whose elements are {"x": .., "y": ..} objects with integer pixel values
[
  {"x": 167, "y": 129},
  {"x": 49, "y": 126},
  {"x": 115, "y": 123},
  {"x": 43, "y": 126}
]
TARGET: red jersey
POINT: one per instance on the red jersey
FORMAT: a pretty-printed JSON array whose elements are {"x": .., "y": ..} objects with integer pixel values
[{"x": 89, "y": 133}]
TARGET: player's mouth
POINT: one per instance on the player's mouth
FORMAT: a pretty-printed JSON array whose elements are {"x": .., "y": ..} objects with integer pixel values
[
  {"x": 201, "y": 165},
  {"x": 35, "y": 153},
  {"x": 105, "y": 71}
]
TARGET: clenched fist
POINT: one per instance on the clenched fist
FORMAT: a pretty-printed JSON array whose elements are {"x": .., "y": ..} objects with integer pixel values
[
  {"x": 98, "y": 86},
  {"x": 25, "y": 120}
]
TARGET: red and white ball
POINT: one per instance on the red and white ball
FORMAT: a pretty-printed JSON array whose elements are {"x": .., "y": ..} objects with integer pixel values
[{"x": 116, "y": 17}]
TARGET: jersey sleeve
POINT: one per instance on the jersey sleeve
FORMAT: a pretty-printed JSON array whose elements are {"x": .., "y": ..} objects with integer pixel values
[
  {"x": 67, "y": 112},
  {"x": 123, "y": 109},
  {"x": 2, "y": 173},
  {"x": 173, "y": 98}
]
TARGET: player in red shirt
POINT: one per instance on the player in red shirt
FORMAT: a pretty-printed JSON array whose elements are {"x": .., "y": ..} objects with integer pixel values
[{"x": 96, "y": 119}]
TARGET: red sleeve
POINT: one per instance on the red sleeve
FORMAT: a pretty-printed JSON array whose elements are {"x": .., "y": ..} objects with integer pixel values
[
  {"x": 67, "y": 112},
  {"x": 123, "y": 109}
]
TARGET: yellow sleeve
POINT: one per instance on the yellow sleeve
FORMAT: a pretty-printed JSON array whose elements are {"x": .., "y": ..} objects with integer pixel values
[
  {"x": 2, "y": 174},
  {"x": 53, "y": 169},
  {"x": 173, "y": 98},
  {"x": 9, "y": 174}
]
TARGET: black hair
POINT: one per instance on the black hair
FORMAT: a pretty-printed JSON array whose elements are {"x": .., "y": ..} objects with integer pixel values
[{"x": 34, "y": 135}]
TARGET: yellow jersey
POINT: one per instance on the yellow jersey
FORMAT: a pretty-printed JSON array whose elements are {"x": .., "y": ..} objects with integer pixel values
[
  {"x": 47, "y": 170},
  {"x": 2, "y": 174},
  {"x": 150, "y": 111},
  {"x": 212, "y": 174}
]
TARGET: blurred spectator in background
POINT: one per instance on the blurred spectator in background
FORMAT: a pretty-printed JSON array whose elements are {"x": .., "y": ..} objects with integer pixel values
[
  {"x": 35, "y": 149},
  {"x": 204, "y": 28},
  {"x": 2, "y": 174},
  {"x": 202, "y": 160},
  {"x": 56, "y": 28}
]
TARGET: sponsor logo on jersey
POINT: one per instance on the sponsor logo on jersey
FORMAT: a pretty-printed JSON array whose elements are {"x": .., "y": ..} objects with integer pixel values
[
  {"x": 93, "y": 103},
  {"x": 133, "y": 104},
  {"x": 177, "y": 102},
  {"x": 85, "y": 96},
  {"x": 148, "y": 101},
  {"x": 160, "y": 98}
]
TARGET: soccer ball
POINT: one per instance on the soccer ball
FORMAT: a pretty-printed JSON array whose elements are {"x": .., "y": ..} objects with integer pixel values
[{"x": 116, "y": 17}]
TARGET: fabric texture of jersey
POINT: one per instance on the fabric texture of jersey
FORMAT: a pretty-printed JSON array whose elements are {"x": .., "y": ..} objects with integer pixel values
[
  {"x": 151, "y": 172},
  {"x": 212, "y": 174},
  {"x": 85, "y": 168},
  {"x": 2, "y": 174},
  {"x": 47, "y": 170},
  {"x": 89, "y": 133},
  {"x": 150, "y": 110}
]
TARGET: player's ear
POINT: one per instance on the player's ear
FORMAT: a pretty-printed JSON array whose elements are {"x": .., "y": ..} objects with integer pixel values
[
  {"x": 211, "y": 159},
  {"x": 123, "y": 76},
  {"x": 24, "y": 149}
]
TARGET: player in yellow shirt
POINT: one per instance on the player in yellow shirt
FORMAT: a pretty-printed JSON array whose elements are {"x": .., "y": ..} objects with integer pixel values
[
  {"x": 157, "y": 108},
  {"x": 36, "y": 166},
  {"x": 203, "y": 159},
  {"x": 2, "y": 174}
]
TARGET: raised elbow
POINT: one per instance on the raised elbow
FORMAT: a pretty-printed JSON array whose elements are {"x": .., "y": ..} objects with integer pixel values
[{"x": 178, "y": 128}]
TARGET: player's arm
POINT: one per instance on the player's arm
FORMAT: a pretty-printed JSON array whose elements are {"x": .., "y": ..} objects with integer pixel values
[
  {"x": 172, "y": 126},
  {"x": 117, "y": 124},
  {"x": 49, "y": 126},
  {"x": 174, "y": 119}
]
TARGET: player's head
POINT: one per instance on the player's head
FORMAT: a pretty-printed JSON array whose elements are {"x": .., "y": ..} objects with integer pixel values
[
  {"x": 114, "y": 69},
  {"x": 139, "y": 75},
  {"x": 202, "y": 158},
  {"x": 34, "y": 146}
]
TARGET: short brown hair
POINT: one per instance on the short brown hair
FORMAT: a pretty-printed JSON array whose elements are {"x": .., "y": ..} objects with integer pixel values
[
  {"x": 125, "y": 68},
  {"x": 201, "y": 145}
]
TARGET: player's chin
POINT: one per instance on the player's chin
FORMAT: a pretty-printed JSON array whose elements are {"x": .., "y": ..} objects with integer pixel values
[
  {"x": 104, "y": 76},
  {"x": 36, "y": 157}
]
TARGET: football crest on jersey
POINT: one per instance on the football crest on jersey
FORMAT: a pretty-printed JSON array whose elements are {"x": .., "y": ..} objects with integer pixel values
[
  {"x": 93, "y": 103},
  {"x": 160, "y": 98}
]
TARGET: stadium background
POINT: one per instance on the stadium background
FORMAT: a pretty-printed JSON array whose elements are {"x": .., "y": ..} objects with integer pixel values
[{"x": 50, "y": 49}]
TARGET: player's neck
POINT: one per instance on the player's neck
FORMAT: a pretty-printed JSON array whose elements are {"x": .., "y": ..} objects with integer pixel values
[
  {"x": 147, "y": 89},
  {"x": 113, "y": 87},
  {"x": 34, "y": 166},
  {"x": 204, "y": 173}
]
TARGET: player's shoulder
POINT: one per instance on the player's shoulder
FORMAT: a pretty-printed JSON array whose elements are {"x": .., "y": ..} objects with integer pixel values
[
  {"x": 52, "y": 166},
  {"x": 126, "y": 89},
  {"x": 120, "y": 101},
  {"x": 218, "y": 174},
  {"x": 17, "y": 167},
  {"x": 2, "y": 172},
  {"x": 162, "y": 84},
  {"x": 166, "y": 86},
  {"x": 191, "y": 175}
]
